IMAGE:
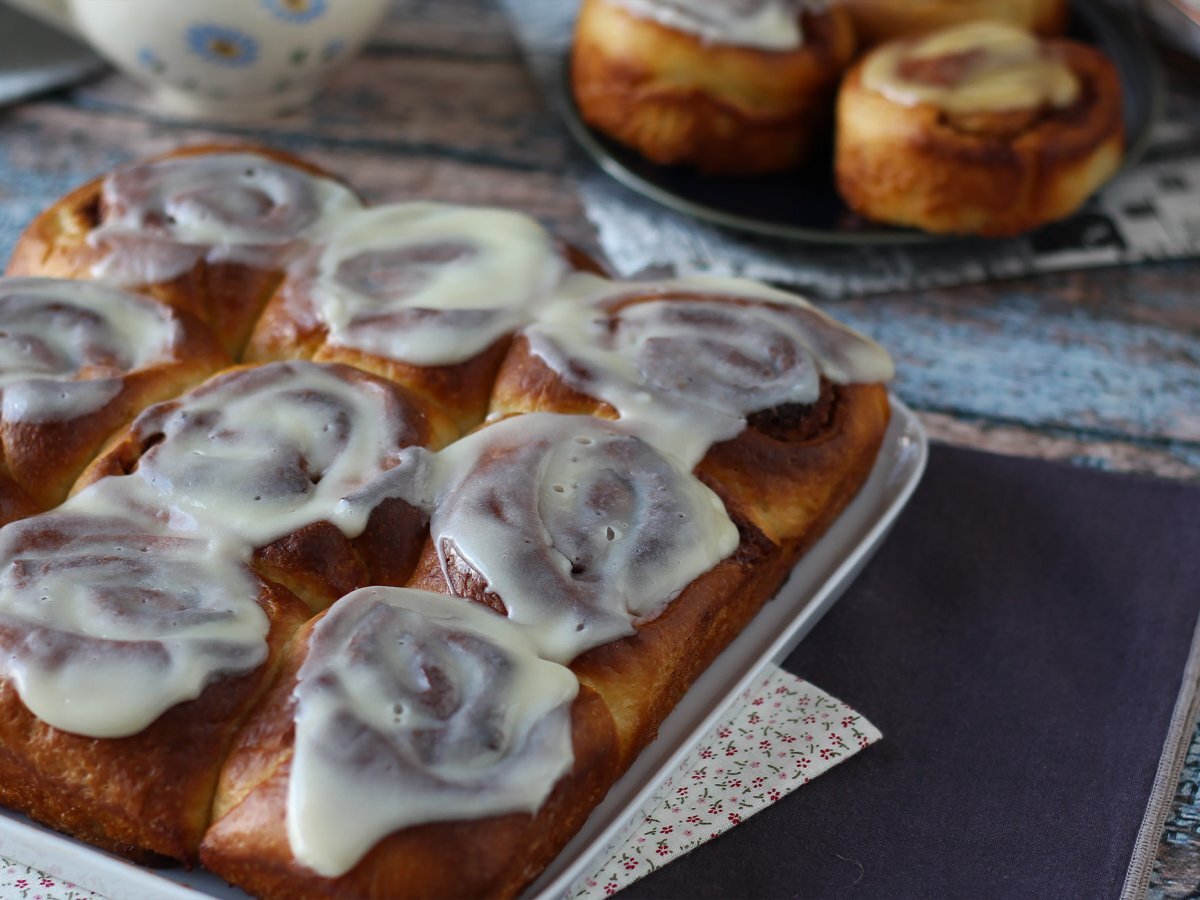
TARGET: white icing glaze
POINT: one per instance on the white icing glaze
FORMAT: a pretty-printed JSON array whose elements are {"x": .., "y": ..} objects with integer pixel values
[
  {"x": 262, "y": 451},
  {"x": 429, "y": 284},
  {"x": 161, "y": 218},
  {"x": 414, "y": 707},
  {"x": 578, "y": 527},
  {"x": 981, "y": 67},
  {"x": 64, "y": 345},
  {"x": 764, "y": 24},
  {"x": 686, "y": 368},
  {"x": 108, "y": 619}
]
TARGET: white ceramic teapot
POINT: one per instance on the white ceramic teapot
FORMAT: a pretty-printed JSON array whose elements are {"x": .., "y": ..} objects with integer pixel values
[{"x": 229, "y": 59}]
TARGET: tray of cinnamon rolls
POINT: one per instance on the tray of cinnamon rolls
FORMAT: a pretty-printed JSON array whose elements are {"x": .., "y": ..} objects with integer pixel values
[
  {"x": 387, "y": 551},
  {"x": 862, "y": 121}
]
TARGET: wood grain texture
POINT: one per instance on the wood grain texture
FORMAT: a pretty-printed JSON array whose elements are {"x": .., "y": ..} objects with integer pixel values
[{"x": 1100, "y": 368}]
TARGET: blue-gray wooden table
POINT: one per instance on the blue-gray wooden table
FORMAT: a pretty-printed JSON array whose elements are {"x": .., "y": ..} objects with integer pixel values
[{"x": 1099, "y": 368}]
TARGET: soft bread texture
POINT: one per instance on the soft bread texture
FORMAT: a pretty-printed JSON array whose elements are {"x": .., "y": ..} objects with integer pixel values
[
  {"x": 208, "y": 780},
  {"x": 877, "y": 21},
  {"x": 992, "y": 174},
  {"x": 228, "y": 295},
  {"x": 145, "y": 796},
  {"x": 493, "y": 857},
  {"x": 722, "y": 109}
]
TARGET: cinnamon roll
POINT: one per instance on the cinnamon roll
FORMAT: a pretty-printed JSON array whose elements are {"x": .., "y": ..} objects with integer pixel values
[
  {"x": 767, "y": 398},
  {"x": 978, "y": 129},
  {"x": 737, "y": 87},
  {"x": 413, "y": 746},
  {"x": 425, "y": 294},
  {"x": 77, "y": 362},
  {"x": 273, "y": 457},
  {"x": 877, "y": 21},
  {"x": 127, "y": 647},
  {"x": 206, "y": 229}
]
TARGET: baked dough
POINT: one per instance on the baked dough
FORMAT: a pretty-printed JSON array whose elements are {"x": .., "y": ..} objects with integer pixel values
[
  {"x": 980, "y": 129},
  {"x": 696, "y": 99},
  {"x": 291, "y": 624}
]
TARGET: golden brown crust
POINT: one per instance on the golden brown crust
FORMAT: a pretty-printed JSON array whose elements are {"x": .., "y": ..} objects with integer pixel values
[
  {"x": 992, "y": 174},
  {"x": 227, "y": 296},
  {"x": 44, "y": 458},
  {"x": 493, "y": 857},
  {"x": 722, "y": 109},
  {"x": 146, "y": 794},
  {"x": 877, "y": 21}
]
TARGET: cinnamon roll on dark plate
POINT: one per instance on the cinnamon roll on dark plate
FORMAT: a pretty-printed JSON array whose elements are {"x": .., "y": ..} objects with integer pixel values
[
  {"x": 803, "y": 203},
  {"x": 735, "y": 87},
  {"x": 978, "y": 129},
  {"x": 206, "y": 229}
]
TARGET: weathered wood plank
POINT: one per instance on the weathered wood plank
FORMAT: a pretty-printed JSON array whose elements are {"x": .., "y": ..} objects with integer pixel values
[
  {"x": 481, "y": 111},
  {"x": 1105, "y": 355},
  {"x": 1110, "y": 455}
]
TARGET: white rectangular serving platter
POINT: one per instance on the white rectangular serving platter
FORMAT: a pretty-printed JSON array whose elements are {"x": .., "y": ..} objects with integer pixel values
[{"x": 813, "y": 587}]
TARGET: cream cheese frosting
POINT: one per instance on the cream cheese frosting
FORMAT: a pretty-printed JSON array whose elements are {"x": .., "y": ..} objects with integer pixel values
[
  {"x": 414, "y": 707},
  {"x": 162, "y": 217},
  {"x": 66, "y": 345},
  {"x": 979, "y": 67}
]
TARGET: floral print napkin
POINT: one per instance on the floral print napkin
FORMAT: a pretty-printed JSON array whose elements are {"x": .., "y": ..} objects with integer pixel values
[
  {"x": 783, "y": 733},
  {"x": 19, "y": 880}
]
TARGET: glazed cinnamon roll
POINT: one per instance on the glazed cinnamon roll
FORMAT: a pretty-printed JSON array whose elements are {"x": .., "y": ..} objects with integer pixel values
[
  {"x": 273, "y": 457},
  {"x": 413, "y": 746},
  {"x": 127, "y": 647},
  {"x": 207, "y": 229},
  {"x": 877, "y": 21},
  {"x": 978, "y": 129},
  {"x": 77, "y": 362},
  {"x": 738, "y": 87},
  {"x": 592, "y": 542},
  {"x": 719, "y": 373},
  {"x": 425, "y": 294}
]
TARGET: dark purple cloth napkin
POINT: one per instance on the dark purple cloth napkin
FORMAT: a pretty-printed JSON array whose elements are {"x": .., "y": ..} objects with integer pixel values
[{"x": 1020, "y": 641}]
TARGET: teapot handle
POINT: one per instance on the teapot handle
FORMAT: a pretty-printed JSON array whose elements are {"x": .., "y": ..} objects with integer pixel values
[{"x": 56, "y": 13}]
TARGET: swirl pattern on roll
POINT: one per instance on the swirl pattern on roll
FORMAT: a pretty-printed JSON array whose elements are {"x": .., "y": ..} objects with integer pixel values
[
  {"x": 684, "y": 362},
  {"x": 65, "y": 345},
  {"x": 978, "y": 67},
  {"x": 259, "y": 452},
  {"x": 412, "y": 708},
  {"x": 576, "y": 527},
  {"x": 162, "y": 217},
  {"x": 109, "y": 617},
  {"x": 428, "y": 284}
]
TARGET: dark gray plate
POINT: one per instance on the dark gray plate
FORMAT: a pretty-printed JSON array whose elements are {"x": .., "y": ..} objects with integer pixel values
[{"x": 803, "y": 204}]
